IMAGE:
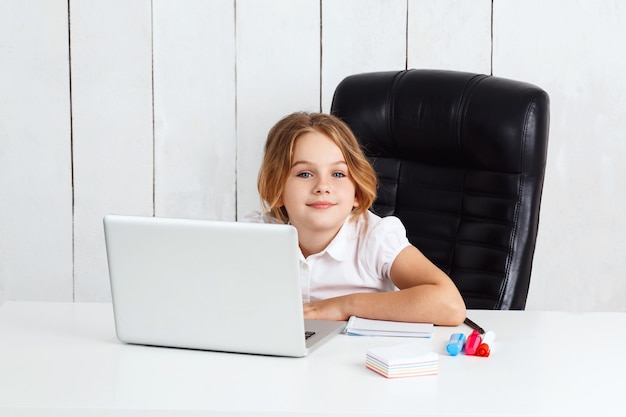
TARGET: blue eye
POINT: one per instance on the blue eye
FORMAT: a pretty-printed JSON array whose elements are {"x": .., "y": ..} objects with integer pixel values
[
  {"x": 338, "y": 174},
  {"x": 304, "y": 175}
]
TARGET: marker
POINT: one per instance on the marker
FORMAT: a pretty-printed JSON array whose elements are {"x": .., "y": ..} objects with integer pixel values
[
  {"x": 474, "y": 326},
  {"x": 484, "y": 349},
  {"x": 473, "y": 341},
  {"x": 455, "y": 344}
]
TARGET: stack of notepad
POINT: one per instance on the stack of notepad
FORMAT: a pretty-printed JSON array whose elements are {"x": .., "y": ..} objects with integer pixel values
[{"x": 401, "y": 361}]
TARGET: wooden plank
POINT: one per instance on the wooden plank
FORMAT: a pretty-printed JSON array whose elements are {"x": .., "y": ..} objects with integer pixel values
[
  {"x": 573, "y": 53},
  {"x": 278, "y": 72},
  {"x": 112, "y": 125},
  {"x": 194, "y": 106},
  {"x": 35, "y": 156},
  {"x": 360, "y": 36},
  {"x": 450, "y": 34}
]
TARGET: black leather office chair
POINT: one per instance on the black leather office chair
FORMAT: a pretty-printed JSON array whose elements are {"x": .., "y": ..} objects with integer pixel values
[{"x": 461, "y": 160}]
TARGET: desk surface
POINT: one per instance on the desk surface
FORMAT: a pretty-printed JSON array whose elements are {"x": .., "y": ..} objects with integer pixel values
[{"x": 63, "y": 359}]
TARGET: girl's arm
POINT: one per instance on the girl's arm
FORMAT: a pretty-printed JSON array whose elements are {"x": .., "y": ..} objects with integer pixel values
[{"x": 426, "y": 295}]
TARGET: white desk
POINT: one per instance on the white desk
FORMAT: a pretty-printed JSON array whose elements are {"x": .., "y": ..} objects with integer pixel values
[{"x": 63, "y": 359}]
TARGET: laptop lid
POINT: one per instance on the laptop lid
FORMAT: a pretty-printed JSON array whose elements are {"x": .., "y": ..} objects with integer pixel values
[{"x": 212, "y": 285}]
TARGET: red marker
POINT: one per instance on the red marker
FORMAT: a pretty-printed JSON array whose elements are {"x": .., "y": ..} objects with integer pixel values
[
  {"x": 473, "y": 341},
  {"x": 485, "y": 347}
]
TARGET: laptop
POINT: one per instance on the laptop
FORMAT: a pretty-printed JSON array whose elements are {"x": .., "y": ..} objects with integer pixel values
[{"x": 210, "y": 285}]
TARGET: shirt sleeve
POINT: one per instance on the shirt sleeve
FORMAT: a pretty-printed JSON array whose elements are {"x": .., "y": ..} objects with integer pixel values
[{"x": 385, "y": 239}]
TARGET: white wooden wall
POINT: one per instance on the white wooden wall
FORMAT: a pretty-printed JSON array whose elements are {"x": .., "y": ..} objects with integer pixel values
[
  {"x": 162, "y": 107},
  {"x": 36, "y": 221}
]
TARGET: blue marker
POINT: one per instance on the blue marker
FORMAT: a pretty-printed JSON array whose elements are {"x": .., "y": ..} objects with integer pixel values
[{"x": 455, "y": 344}]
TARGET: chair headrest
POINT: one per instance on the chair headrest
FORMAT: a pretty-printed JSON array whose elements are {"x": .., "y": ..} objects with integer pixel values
[{"x": 446, "y": 118}]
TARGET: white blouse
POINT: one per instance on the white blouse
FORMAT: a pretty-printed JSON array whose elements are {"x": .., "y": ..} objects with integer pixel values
[{"x": 358, "y": 259}]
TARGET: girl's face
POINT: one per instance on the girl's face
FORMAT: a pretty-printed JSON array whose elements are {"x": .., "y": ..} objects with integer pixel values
[{"x": 319, "y": 192}]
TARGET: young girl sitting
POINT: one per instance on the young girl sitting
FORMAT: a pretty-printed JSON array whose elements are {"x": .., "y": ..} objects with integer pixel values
[{"x": 315, "y": 177}]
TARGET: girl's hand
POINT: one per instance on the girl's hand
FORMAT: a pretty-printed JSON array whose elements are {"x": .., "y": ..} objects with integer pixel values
[{"x": 330, "y": 309}]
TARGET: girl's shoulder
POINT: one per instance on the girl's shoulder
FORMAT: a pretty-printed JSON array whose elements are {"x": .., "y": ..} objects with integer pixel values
[
  {"x": 381, "y": 241},
  {"x": 374, "y": 224}
]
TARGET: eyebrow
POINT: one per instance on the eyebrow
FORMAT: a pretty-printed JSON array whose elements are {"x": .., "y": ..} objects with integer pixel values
[{"x": 312, "y": 163}]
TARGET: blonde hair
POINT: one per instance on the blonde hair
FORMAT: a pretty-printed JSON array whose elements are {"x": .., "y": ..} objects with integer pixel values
[{"x": 278, "y": 155}]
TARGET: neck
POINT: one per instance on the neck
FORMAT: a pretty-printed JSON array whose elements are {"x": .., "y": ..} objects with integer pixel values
[{"x": 315, "y": 242}]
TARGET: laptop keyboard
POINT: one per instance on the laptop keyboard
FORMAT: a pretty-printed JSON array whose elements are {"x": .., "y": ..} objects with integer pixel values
[{"x": 308, "y": 334}]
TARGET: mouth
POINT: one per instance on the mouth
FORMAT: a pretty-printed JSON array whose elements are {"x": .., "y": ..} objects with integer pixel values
[{"x": 321, "y": 205}]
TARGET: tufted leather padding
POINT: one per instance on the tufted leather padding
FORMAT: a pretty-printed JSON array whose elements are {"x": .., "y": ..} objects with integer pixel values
[{"x": 461, "y": 160}]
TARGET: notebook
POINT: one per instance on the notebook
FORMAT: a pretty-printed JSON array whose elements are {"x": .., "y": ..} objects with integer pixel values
[
  {"x": 210, "y": 285},
  {"x": 359, "y": 326}
]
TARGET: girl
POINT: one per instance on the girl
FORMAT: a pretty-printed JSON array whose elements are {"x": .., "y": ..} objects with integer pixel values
[{"x": 315, "y": 177}]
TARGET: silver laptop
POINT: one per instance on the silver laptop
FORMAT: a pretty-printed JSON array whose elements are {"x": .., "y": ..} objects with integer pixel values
[{"x": 211, "y": 285}]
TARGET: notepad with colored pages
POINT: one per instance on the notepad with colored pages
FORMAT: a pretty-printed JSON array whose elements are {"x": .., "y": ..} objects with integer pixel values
[
  {"x": 402, "y": 361},
  {"x": 358, "y": 326}
]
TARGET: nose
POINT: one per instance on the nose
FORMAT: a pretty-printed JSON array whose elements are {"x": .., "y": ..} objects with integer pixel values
[{"x": 322, "y": 187}]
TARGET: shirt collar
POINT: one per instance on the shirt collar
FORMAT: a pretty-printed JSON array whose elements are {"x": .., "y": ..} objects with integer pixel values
[{"x": 339, "y": 247}]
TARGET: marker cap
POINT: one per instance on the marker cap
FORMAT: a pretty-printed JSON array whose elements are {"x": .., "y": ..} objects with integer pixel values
[
  {"x": 455, "y": 344},
  {"x": 473, "y": 341},
  {"x": 484, "y": 349}
]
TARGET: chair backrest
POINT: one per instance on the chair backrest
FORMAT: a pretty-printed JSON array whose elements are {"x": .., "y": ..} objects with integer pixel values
[{"x": 461, "y": 160}]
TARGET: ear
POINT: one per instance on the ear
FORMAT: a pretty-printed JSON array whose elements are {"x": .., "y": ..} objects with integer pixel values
[{"x": 356, "y": 202}]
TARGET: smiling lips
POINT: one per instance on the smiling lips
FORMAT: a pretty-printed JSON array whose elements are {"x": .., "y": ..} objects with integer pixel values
[{"x": 321, "y": 204}]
